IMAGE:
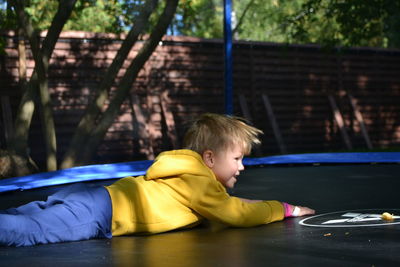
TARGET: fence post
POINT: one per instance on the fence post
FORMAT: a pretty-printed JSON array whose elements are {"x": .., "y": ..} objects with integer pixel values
[
  {"x": 339, "y": 120},
  {"x": 274, "y": 124}
]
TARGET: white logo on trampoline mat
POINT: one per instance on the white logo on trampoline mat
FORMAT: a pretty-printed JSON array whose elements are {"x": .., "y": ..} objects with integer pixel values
[
  {"x": 358, "y": 217},
  {"x": 354, "y": 218}
]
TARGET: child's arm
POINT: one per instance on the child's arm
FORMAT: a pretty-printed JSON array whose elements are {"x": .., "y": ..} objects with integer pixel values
[
  {"x": 290, "y": 210},
  {"x": 250, "y": 200},
  {"x": 212, "y": 202}
]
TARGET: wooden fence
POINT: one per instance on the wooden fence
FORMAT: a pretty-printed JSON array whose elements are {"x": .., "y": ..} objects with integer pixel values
[{"x": 304, "y": 98}]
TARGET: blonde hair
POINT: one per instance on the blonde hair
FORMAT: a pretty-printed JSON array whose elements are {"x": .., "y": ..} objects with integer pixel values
[{"x": 219, "y": 132}]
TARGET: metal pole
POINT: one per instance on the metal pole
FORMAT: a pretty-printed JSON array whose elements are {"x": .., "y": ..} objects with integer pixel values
[{"x": 228, "y": 57}]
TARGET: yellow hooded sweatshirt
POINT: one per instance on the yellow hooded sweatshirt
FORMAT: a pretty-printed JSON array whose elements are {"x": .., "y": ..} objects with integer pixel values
[{"x": 178, "y": 191}]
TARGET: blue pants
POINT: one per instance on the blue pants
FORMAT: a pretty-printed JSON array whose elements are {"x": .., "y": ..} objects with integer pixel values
[{"x": 78, "y": 212}]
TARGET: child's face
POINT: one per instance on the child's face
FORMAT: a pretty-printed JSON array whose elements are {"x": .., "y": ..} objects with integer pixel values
[{"x": 227, "y": 165}]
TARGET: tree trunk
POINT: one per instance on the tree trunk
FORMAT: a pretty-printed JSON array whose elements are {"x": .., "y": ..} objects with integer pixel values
[
  {"x": 88, "y": 122},
  {"x": 41, "y": 71},
  {"x": 126, "y": 83},
  {"x": 19, "y": 144}
]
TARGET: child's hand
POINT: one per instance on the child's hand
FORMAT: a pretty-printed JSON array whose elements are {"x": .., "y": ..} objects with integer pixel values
[
  {"x": 296, "y": 211},
  {"x": 305, "y": 211}
]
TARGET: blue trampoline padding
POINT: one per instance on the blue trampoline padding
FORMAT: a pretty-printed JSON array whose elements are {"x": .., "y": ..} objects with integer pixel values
[
  {"x": 326, "y": 158},
  {"x": 136, "y": 168},
  {"x": 76, "y": 174}
]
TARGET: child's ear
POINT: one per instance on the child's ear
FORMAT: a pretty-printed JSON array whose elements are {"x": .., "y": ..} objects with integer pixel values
[{"x": 208, "y": 158}]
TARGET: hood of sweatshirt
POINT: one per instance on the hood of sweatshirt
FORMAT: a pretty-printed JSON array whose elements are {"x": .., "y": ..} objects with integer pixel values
[{"x": 177, "y": 162}]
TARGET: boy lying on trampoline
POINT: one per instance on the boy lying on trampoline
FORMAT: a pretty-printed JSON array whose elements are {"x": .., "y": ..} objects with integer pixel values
[{"x": 180, "y": 190}]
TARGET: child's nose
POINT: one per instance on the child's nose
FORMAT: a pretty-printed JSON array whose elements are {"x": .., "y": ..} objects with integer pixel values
[{"x": 241, "y": 166}]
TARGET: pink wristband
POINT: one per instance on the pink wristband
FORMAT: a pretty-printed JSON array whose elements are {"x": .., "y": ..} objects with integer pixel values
[{"x": 288, "y": 209}]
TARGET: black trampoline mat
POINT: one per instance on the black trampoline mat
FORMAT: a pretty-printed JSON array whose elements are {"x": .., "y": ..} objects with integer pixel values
[{"x": 328, "y": 189}]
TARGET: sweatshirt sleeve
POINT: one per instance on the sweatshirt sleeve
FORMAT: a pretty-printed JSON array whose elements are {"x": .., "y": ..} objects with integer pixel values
[{"x": 211, "y": 201}]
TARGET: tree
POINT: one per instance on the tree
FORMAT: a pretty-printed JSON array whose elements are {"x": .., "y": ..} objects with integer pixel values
[
  {"x": 350, "y": 23},
  {"x": 200, "y": 18},
  {"x": 256, "y": 20},
  {"x": 7, "y": 21},
  {"x": 38, "y": 82},
  {"x": 87, "y": 15},
  {"x": 336, "y": 22},
  {"x": 89, "y": 134},
  {"x": 94, "y": 123},
  {"x": 260, "y": 20}
]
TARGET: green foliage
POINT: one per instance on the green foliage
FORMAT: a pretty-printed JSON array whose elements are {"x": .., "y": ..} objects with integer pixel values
[
  {"x": 7, "y": 17},
  {"x": 106, "y": 16},
  {"x": 256, "y": 20},
  {"x": 200, "y": 18},
  {"x": 350, "y": 23},
  {"x": 7, "y": 21},
  {"x": 41, "y": 13},
  {"x": 335, "y": 22},
  {"x": 261, "y": 20},
  {"x": 96, "y": 16},
  {"x": 88, "y": 15}
]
